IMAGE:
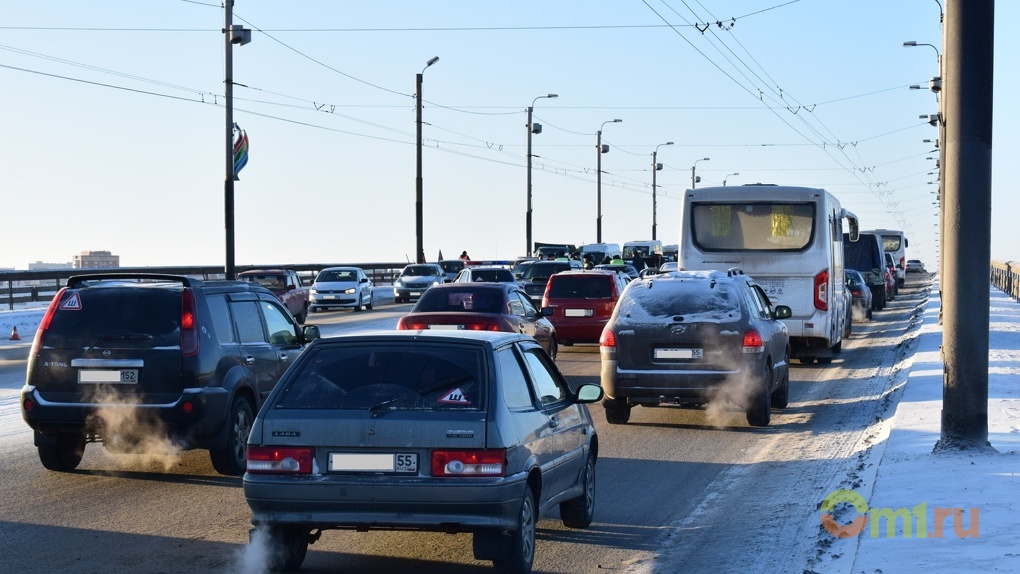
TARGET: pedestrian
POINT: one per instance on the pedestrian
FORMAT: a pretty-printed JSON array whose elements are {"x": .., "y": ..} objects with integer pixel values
[{"x": 464, "y": 256}]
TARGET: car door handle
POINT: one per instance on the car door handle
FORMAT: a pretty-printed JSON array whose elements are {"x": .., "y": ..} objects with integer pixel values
[
  {"x": 249, "y": 360},
  {"x": 553, "y": 423},
  {"x": 283, "y": 357}
]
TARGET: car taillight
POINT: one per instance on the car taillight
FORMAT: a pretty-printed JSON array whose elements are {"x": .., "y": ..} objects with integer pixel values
[
  {"x": 189, "y": 324},
  {"x": 822, "y": 291},
  {"x": 468, "y": 462},
  {"x": 404, "y": 325},
  {"x": 607, "y": 339},
  {"x": 45, "y": 322},
  {"x": 279, "y": 460},
  {"x": 483, "y": 326},
  {"x": 903, "y": 263},
  {"x": 753, "y": 342}
]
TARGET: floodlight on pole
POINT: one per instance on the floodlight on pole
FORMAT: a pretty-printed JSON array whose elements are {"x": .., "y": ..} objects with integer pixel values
[
  {"x": 532, "y": 128},
  {"x": 600, "y": 149}
]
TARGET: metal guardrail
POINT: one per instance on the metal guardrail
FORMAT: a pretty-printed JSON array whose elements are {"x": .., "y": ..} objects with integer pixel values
[
  {"x": 1006, "y": 276},
  {"x": 40, "y": 286}
]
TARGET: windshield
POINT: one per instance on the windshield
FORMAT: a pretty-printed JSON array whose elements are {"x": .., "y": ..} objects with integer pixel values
[
  {"x": 384, "y": 377},
  {"x": 418, "y": 271},
  {"x": 269, "y": 281},
  {"x": 337, "y": 275},
  {"x": 759, "y": 226}
]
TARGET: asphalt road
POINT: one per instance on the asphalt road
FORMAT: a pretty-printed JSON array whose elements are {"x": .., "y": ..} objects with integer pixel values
[{"x": 677, "y": 489}]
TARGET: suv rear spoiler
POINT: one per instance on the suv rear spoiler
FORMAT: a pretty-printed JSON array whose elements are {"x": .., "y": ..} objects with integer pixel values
[{"x": 77, "y": 281}]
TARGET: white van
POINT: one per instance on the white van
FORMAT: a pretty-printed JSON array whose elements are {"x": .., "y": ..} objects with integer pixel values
[
  {"x": 895, "y": 243},
  {"x": 790, "y": 239},
  {"x": 650, "y": 252},
  {"x": 600, "y": 251}
]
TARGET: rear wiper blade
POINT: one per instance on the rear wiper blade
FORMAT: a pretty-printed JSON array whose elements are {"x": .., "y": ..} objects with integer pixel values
[{"x": 452, "y": 381}]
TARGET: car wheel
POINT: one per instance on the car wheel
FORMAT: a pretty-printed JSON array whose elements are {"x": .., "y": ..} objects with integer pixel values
[
  {"x": 371, "y": 302},
  {"x": 868, "y": 313},
  {"x": 522, "y": 541},
  {"x": 837, "y": 347},
  {"x": 554, "y": 348},
  {"x": 567, "y": 343},
  {"x": 302, "y": 316},
  {"x": 759, "y": 412},
  {"x": 287, "y": 547},
  {"x": 233, "y": 460},
  {"x": 824, "y": 360},
  {"x": 313, "y": 309},
  {"x": 617, "y": 412},
  {"x": 66, "y": 455},
  {"x": 781, "y": 396},
  {"x": 361, "y": 302},
  {"x": 881, "y": 300},
  {"x": 579, "y": 512}
]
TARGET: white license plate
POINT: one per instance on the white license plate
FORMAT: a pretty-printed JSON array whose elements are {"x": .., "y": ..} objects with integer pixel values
[
  {"x": 349, "y": 462},
  {"x": 121, "y": 376},
  {"x": 678, "y": 353},
  {"x": 329, "y": 296},
  {"x": 446, "y": 327},
  {"x": 578, "y": 313},
  {"x": 414, "y": 293}
]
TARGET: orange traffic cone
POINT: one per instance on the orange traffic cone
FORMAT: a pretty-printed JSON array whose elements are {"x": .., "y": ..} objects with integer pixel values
[{"x": 14, "y": 334}]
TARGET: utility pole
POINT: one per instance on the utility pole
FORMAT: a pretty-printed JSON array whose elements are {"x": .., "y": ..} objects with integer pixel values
[
  {"x": 418, "y": 210},
  {"x": 231, "y": 35},
  {"x": 967, "y": 172}
]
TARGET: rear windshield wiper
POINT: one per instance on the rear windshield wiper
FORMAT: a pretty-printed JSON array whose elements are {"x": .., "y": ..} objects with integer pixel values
[{"x": 374, "y": 409}]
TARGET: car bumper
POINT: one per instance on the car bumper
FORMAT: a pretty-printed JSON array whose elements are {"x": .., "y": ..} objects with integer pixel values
[
  {"x": 580, "y": 331},
  {"x": 363, "y": 503},
  {"x": 338, "y": 301},
  {"x": 674, "y": 386}
]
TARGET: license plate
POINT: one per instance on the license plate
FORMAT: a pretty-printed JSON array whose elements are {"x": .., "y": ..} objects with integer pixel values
[
  {"x": 578, "y": 313},
  {"x": 414, "y": 293},
  {"x": 349, "y": 462},
  {"x": 329, "y": 296},
  {"x": 678, "y": 353},
  {"x": 447, "y": 327},
  {"x": 122, "y": 376}
]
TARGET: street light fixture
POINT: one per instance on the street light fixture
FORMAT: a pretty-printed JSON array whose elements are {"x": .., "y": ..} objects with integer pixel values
[
  {"x": 537, "y": 129},
  {"x": 656, "y": 166},
  {"x": 419, "y": 237},
  {"x": 600, "y": 149},
  {"x": 727, "y": 177},
  {"x": 694, "y": 179}
]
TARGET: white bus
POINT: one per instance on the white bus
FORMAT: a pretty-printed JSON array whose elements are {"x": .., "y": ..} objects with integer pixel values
[
  {"x": 895, "y": 243},
  {"x": 790, "y": 240}
]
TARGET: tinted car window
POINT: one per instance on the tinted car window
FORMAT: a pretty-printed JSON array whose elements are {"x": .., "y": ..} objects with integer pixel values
[
  {"x": 758, "y": 226},
  {"x": 516, "y": 393},
  {"x": 221, "y": 319},
  {"x": 337, "y": 275},
  {"x": 474, "y": 300},
  {"x": 547, "y": 387},
  {"x": 388, "y": 377},
  {"x": 419, "y": 271},
  {"x": 581, "y": 287},
  {"x": 493, "y": 275},
  {"x": 249, "y": 324},
  {"x": 89, "y": 316},
  {"x": 542, "y": 270}
]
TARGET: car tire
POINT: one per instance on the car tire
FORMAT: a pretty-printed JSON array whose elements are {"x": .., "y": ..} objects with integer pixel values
[
  {"x": 521, "y": 555},
  {"x": 66, "y": 455},
  {"x": 579, "y": 512},
  {"x": 868, "y": 313},
  {"x": 371, "y": 302},
  {"x": 313, "y": 309},
  {"x": 287, "y": 547},
  {"x": 302, "y": 316},
  {"x": 233, "y": 459},
  {"x": 881, "y": 300},
  {"x": 759, "y": 412},
  {"x": 554, "y": 347},
  {"x": 617, "y": 412},
  {"x": 567, "y": 343},
  {"x": 781, "y": 396}
]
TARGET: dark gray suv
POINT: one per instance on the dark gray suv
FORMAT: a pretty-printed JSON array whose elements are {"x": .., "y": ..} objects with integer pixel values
[{"x": 123, "y": 359}]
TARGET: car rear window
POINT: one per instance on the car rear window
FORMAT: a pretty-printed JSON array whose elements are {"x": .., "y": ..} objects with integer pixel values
[
  {"x": 388, "y": 377},
  {"x": 542, "y": 271},
  {"x": 134, "y": 316},
  {"x": 453, "y": 300},
  {"x": 492, "y": 275},
  {"x": 581, "y": 287},
  {"x": 698, "y": 299}
]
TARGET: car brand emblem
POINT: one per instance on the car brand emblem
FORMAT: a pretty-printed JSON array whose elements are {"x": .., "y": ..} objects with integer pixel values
[
  {"x": 106, "y": 352},
  {"x": 679, "y": 330}
]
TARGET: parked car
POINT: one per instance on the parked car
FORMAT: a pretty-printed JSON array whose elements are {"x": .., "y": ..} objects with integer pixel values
[
  {"x": 131, "y": 360},
  {"x": 485, "y": 273},
  {"x": 447, "y": 431},
  {"x": 691, "y": 337},
  {"x": 534, "y": 278},
  {"x": 581, "y": 303},
  {"x": 342, "y": 287},
  {"x": 858, "y": 289},
  {"x": 915, "y": 266},
  {"x": 286, "y": 285},
  {"x": 482, "y": 307},
  {"x": 415, "y": 279}
]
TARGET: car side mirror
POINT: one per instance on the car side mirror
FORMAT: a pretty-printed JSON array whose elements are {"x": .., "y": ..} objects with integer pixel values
[
  {"x": 782, "y": 312},
  {"x": 547, "y": 311},
  {"x": 310, "y": 333},
  {"x": 589, "y": 393},
  {"x": 363, "y": 280}
]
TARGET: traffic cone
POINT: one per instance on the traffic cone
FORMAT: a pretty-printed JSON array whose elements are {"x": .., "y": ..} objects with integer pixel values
[{"x": 14, "y": 334}]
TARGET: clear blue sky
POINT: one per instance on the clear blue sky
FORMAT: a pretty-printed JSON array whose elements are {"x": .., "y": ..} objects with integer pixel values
[{"x": 113, "y": 132}]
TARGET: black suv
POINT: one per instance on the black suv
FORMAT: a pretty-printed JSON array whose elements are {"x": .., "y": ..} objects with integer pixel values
[
  {"x": 125, "y": 358},
  {"x": 537, "y": 275}
]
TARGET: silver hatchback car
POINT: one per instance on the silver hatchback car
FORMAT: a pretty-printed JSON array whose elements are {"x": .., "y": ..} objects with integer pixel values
[{"x": 449, "y": 431}]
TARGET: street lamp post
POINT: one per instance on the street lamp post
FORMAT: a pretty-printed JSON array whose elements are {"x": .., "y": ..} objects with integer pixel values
[
  {"x": 727, "y": 177},
  {"x": 694, "y": 179},
  {"x": 418, "y": 217},
  {"x": 600, "y": 149},
  {"x": 656, "y": 166},
  {"x": 232, "y": 34},
  {"x": 532, "y": 128}
]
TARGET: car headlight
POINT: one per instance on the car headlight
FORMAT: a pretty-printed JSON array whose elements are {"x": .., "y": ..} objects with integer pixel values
[
  {"x": 436, "y": 282},
  {"x": 350, "y": 291},
  {"x": 313, "y": 292},
  {"x": 398, "y": 283}
]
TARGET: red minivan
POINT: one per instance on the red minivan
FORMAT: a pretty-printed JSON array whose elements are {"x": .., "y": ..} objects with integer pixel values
[{"x": 581, "y": 303}]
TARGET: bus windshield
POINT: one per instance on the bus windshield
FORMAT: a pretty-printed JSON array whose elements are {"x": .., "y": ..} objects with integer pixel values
[{"x": 752, "y": 226}]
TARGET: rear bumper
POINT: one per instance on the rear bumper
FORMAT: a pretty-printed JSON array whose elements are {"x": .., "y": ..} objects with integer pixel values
[
  {"x": 363, "y": 503},
  {"x": 660, "y": 386},
  {"x": 579, "y": 330}
]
